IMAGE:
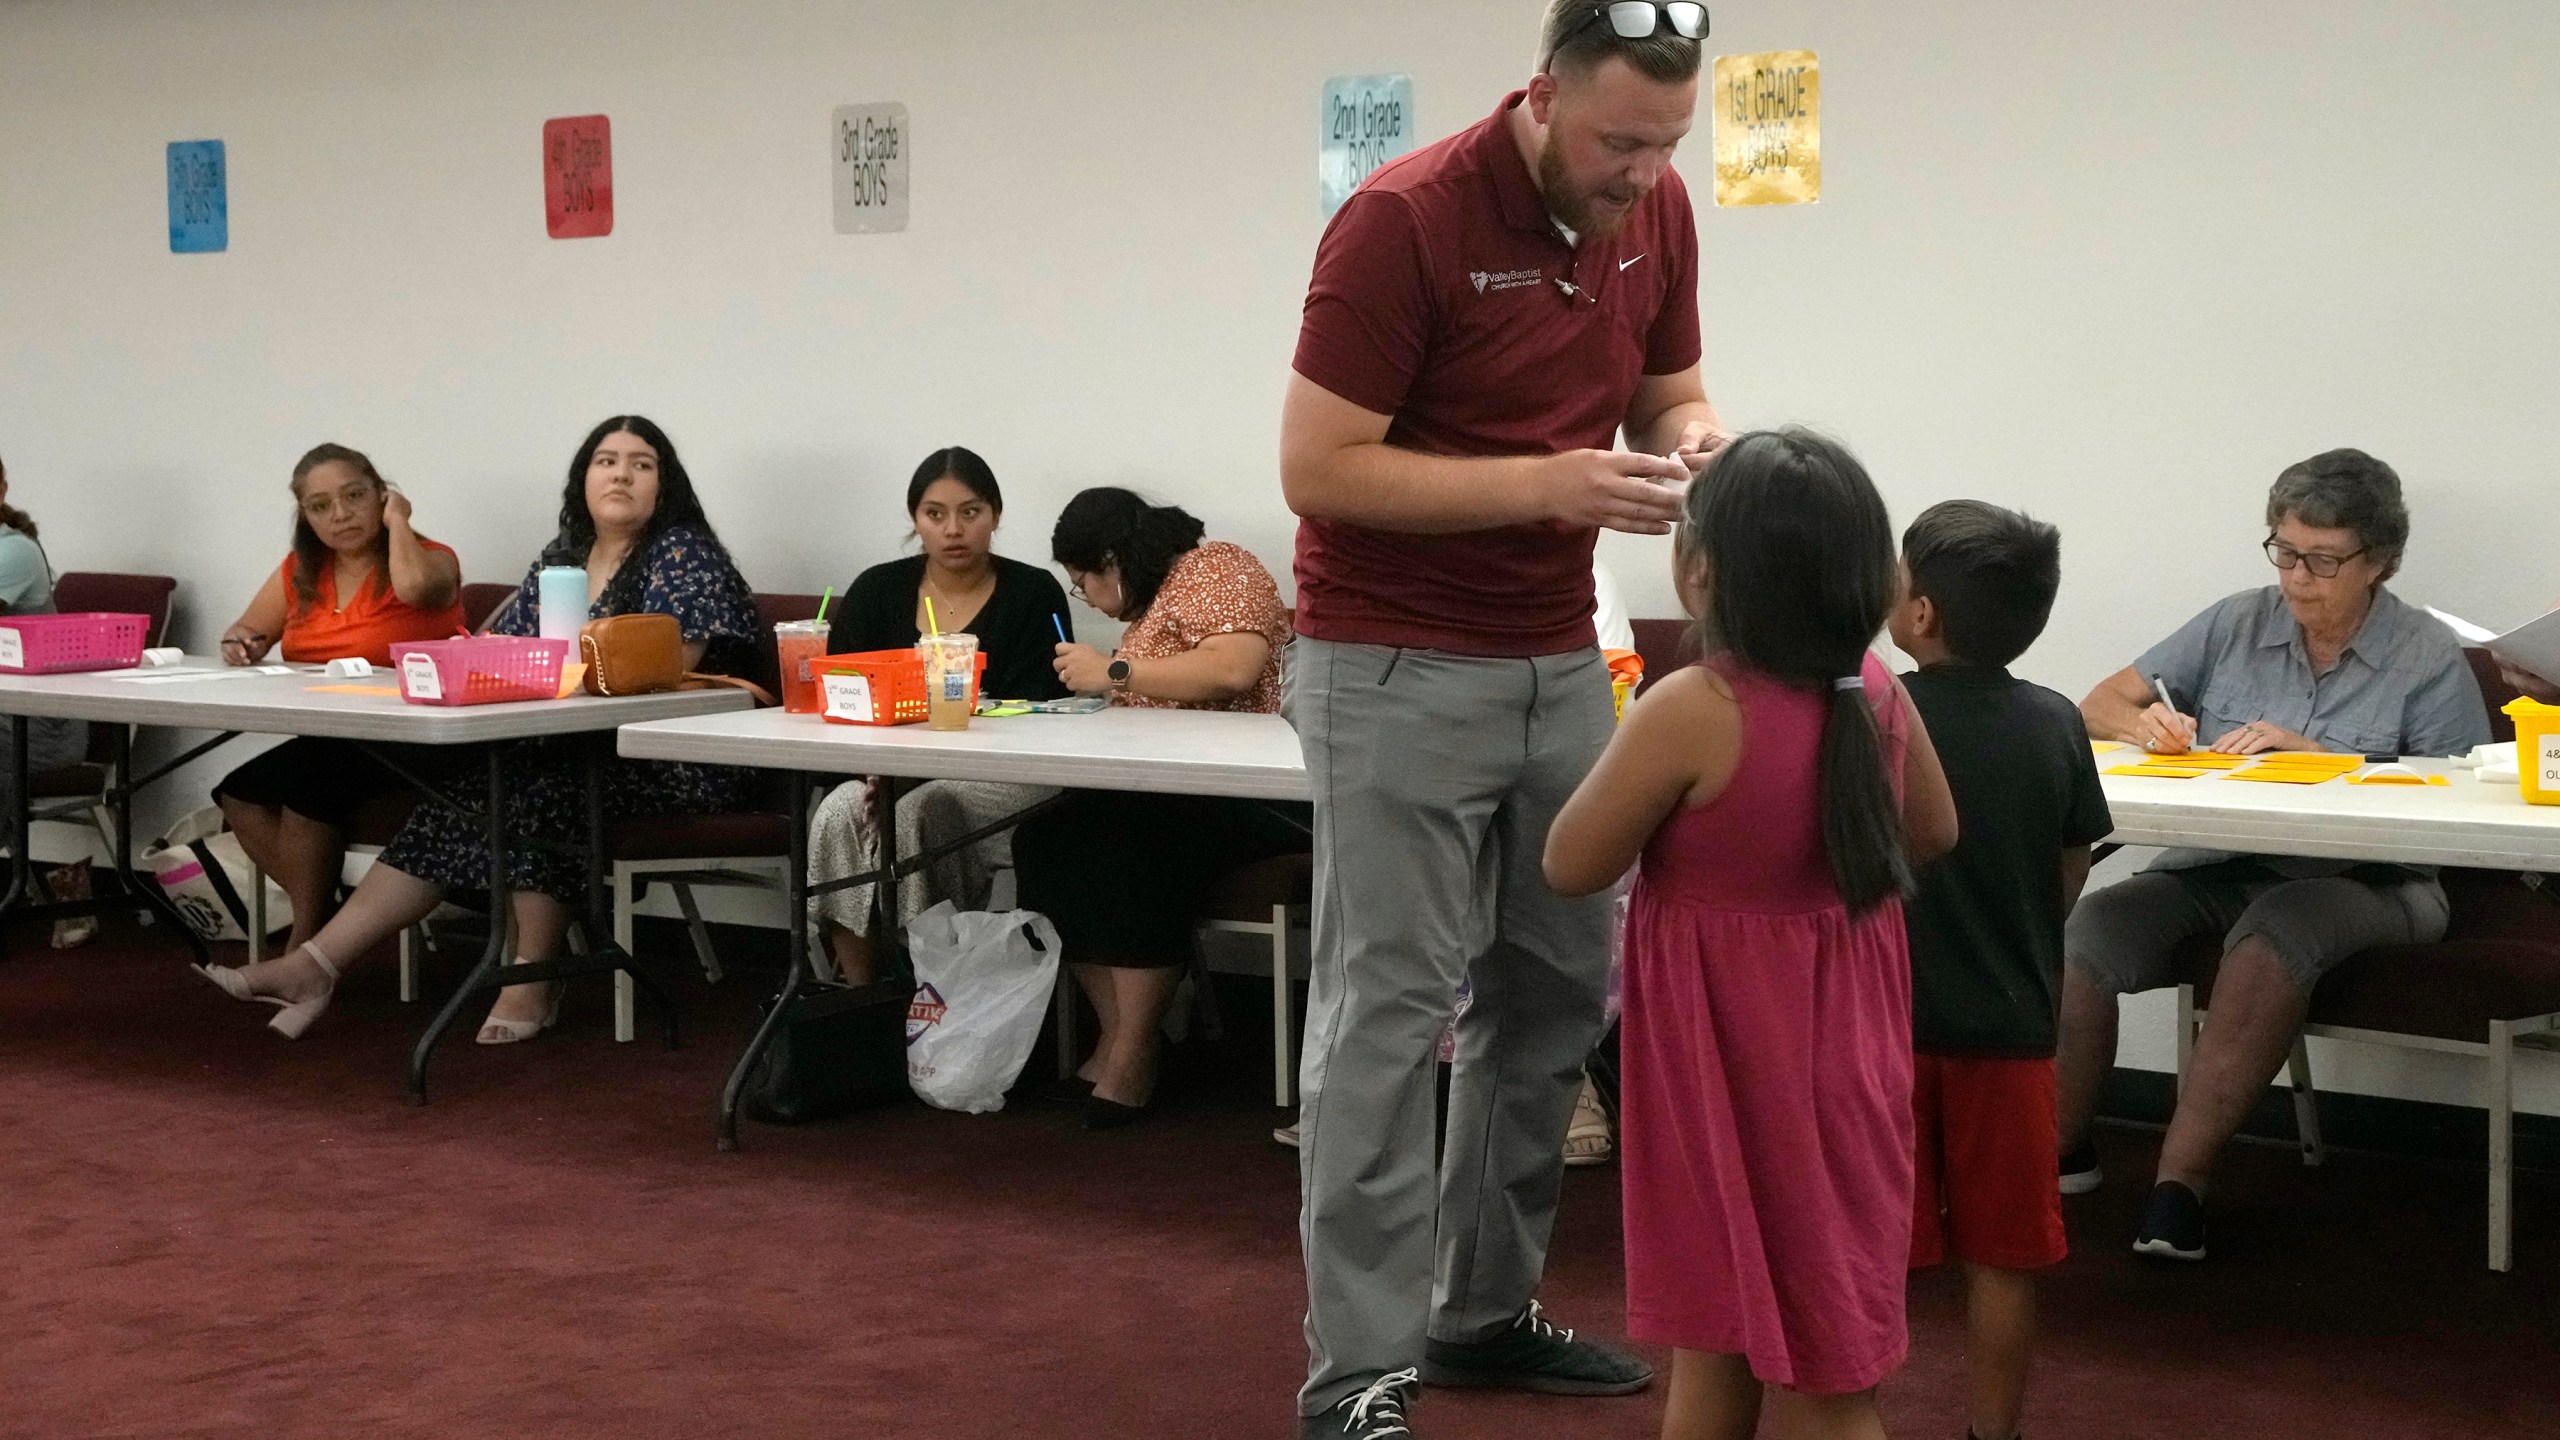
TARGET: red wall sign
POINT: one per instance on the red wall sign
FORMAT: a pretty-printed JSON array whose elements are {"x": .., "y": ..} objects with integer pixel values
[{"x": 577, "y": 176}]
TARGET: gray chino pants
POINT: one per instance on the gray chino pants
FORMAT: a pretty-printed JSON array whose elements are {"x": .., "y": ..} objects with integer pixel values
[{"x": 1436, "y": 777}]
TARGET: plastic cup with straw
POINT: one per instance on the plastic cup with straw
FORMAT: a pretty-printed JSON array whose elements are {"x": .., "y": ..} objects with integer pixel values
[
  {"x": 950, "y": 663},
  {"x": 797, "y": 645}
]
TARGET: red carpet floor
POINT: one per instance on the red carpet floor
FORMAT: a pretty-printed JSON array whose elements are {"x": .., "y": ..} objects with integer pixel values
[{"x": 205, "y": 1231}]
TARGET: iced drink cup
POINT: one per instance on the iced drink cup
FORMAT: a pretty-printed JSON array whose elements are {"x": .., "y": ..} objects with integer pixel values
[
  {"x": 950, "y": 679},
  {"x": 795, "y": 644}
]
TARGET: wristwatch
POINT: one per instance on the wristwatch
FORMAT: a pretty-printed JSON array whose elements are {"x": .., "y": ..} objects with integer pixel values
[{"x": 1119, "y": 673}]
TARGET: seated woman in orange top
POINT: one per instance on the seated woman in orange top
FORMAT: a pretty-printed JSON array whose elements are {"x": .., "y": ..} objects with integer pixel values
[{"x": 358, "y": 581}]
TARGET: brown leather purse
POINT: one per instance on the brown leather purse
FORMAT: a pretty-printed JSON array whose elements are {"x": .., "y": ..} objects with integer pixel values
[{"x": 643, "y": 655}]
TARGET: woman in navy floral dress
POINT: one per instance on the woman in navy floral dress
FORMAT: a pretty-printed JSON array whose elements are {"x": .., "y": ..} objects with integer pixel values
[{"x": 631, "y": 519}]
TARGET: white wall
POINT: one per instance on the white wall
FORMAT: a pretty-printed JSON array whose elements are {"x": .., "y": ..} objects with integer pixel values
[{"x": 2117, "y": 265}]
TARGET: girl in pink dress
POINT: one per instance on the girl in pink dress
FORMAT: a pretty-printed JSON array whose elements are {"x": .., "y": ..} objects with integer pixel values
[{"x": 1779, "y": 795}]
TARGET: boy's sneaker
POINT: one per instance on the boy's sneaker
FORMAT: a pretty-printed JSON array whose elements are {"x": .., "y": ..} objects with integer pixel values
[
  {"x": 1377, "y": 1413},
  {"x": 1534, "y": 1355},
  {"x": 2080, "y": 1172},
  {"x": 2174, "y": 1230}
]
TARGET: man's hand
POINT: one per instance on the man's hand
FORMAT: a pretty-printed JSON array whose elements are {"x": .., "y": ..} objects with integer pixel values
[
  {"x": 1083, "y": 669},
  {"x": 1700, "y": 444},
  {"x": 1614, "y": 490}
]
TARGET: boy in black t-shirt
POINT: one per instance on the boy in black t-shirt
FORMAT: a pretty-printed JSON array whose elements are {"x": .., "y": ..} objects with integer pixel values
[{"x": 1986, "y": 926}]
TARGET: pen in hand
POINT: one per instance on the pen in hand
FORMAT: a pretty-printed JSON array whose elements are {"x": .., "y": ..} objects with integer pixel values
[{"x": 2160, "y": 692}]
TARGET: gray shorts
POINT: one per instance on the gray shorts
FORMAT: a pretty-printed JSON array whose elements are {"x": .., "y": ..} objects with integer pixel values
[{"x": 2123, "y": 938}]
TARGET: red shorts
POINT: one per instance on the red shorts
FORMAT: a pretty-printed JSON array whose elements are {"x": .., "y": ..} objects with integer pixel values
[{"x": 1986, "y": 1185}]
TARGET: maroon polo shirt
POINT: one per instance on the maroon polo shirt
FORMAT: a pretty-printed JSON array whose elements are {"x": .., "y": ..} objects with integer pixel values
[{"x": 1440, "y": 299}]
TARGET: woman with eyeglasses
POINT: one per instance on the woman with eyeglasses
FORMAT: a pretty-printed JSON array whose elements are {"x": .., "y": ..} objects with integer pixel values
[
  {"x": 2326, "y": 659},
  {"x": 629, "y": 517},
  {"x": 359, "y": 581}
]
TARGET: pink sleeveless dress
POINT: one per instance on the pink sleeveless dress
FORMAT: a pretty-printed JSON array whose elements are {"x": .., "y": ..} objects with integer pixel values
[{"x": 1767, "y": 1071}]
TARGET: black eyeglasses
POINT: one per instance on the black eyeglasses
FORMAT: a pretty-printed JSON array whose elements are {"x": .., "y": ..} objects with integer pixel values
[
  {"x": 2324, "y": 566},
  {"x": 1639, "y": 19}
]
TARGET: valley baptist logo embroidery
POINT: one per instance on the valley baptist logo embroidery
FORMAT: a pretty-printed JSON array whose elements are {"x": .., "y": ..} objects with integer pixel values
[
  {"x": 924, "y": 1012},
  {"x": 1481, "y": 279},
  {"x": 1485, "y": 280}
]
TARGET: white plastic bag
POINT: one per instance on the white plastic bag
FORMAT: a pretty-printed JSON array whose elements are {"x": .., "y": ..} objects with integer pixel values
[
  {"x": 983, "y": 980},
  {"x": 206, "y": 874}
]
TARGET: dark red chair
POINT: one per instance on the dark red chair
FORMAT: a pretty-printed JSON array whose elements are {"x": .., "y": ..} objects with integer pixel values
[
  {"x": 480, "y": 600},
  {"x": 1665, "y": 645},
  {"x": 683, "y": 852},
  {"x": 81, "y": 590}
]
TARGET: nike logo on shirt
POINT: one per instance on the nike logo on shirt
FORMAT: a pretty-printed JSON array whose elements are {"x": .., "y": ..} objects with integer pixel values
[{"x": 1623, "y": 264}]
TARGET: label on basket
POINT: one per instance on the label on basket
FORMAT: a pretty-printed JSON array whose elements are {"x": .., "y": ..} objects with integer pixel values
[
  {"x": 13, "y": 648},
  {"x": 418, "y": 674},
  {"x": 849, "y": 698},
  {"x": 2550, "y": 763}
]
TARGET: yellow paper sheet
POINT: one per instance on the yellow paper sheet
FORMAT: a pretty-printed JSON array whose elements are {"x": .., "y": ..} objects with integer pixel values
[
  {"x": 2309, "y": 760},
  {"x": 2159, "y": 772},
  {"x": 2199, "y": 760},
  {"x": 2104, "y": 747},
  {"x": 571, "y": 677},
  {"x": 2285, "y": 775},
  {"x": 2422, "y": 780},
  {"x": 391, "y": 690}
]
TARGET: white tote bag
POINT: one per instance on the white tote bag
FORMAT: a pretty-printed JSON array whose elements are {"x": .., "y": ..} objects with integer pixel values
[
  {"x": 983, "y": 980},
  {"x": 205, "y": 874}
]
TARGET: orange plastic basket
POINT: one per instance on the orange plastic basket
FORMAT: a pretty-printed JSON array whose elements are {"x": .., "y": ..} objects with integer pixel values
[{"x": 891, "y": 688}]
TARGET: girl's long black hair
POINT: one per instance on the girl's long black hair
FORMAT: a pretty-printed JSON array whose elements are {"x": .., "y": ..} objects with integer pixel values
[
  {"x": 1800, "y": 574},
  {"x": 678, "y": 505}
]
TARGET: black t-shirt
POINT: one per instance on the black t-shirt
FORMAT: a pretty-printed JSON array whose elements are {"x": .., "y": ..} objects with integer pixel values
[
  {"x": 1986, "y": 927},
  {"x": 1017, "y": 628}
]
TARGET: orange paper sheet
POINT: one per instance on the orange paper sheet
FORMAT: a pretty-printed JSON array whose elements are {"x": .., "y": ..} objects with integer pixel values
[
  {"x": 2160, "y": 772},
  {"x": 391, "y": 690}
]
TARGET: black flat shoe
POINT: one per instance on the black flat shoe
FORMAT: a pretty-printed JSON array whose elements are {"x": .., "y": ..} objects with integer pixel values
[{"x": 1101, "y": 1114}]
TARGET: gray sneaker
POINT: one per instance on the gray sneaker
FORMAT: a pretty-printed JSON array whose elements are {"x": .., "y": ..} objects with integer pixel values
[
  {"x": 1534, "y": 1355},
  {"x": 1377, "y": 1413}
]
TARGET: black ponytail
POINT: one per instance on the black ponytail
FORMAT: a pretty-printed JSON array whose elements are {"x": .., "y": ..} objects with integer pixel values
[
  {"x": 1108, "y": 525},
  {"x": 1800, "y": 576}
]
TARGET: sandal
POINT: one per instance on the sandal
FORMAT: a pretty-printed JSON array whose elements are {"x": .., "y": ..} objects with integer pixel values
[{"x": 1588, "y": 1140}]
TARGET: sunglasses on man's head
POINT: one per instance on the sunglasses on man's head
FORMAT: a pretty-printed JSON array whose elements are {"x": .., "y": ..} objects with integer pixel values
[{"x": 1639, "y": 19}]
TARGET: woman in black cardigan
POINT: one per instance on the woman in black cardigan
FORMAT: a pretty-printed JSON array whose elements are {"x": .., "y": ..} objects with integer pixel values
[{"x": 1018, "y": 612}]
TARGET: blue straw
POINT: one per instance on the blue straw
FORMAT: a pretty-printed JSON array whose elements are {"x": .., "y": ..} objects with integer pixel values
[{"x": 1060, "y": 622}]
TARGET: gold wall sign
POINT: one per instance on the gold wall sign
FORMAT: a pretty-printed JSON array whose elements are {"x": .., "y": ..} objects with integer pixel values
[{"x": 1768, "y": 116}]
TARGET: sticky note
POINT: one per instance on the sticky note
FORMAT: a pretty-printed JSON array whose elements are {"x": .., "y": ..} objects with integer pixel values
[{"x": 2160, "y": 772}]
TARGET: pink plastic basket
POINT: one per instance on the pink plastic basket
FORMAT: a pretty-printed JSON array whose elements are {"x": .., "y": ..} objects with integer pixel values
[
  {"x": 480, "y": 670},
  {"x": 55, "y": 644}
]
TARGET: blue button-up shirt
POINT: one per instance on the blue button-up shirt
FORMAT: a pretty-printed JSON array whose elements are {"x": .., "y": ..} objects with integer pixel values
[{"x": 2402, "y": 686}]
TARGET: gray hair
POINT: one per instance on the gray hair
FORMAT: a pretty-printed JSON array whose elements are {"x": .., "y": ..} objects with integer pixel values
[
  {"x": 1570, "y": 40},
  {"x": 2346, "y": 490}
]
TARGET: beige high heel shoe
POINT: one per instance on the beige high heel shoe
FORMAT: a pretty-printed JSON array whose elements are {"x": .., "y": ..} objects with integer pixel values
[
  {"x": 494, "y": 1031},
  {"x": 292, "y": 1017}
]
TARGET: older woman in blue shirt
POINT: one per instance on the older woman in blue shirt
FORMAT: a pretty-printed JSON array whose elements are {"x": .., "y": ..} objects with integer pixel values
[{"x": 2325, "y": 659}]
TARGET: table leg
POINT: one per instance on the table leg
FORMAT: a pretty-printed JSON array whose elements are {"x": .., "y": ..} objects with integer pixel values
[
  {"x": 21, "y": 826},
  {"x": 146, "y": 887},
  {"x": 600, "y": 901},
  {"x": 492, "y": 954},
  {"x": 795, "y": 900}
]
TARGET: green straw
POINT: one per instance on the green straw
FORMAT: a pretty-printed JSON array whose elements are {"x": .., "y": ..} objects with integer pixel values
[{"x": 822, "y": 604}]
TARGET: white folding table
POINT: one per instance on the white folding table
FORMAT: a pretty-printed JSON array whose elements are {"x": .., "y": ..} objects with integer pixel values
[
  {"x": 1179, "y": 752},
  {"x": 201, "y": 693}
]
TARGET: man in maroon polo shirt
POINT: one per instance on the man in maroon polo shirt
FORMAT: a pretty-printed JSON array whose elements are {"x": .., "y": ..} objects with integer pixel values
[{"x": 1487, "y": 315}]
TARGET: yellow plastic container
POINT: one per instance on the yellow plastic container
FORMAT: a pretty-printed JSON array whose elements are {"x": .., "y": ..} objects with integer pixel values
[{"x": 2538, "y": 750}]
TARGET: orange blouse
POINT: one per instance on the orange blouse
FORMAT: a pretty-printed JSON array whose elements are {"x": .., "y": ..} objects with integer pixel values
[
  {"x": 367, "y": 627},
  {"x": 1216, "y": 589}
]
